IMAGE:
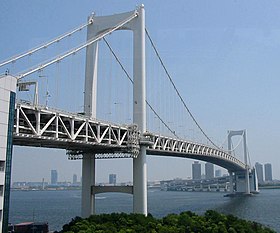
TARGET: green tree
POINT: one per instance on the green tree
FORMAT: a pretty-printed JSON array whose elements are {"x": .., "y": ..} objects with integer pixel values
[{"x": 185, "y": 222}]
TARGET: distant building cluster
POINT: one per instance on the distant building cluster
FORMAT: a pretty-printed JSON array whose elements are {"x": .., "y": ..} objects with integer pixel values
[
  {"x": 210, "y": 173},
  {"x": 53, "y": 185},
  {"x": 211, "y": 180},
  {"x": 214, "y": 180},
  {"x": 264, "y": 175}
]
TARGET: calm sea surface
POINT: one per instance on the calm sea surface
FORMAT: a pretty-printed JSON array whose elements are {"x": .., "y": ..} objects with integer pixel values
[{"x": 58, "y": 207}]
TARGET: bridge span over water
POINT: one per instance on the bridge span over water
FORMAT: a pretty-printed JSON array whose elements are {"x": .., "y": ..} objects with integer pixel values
[
  {"x": 40, "y": 127},
  {"x": 85, "y": 137}
]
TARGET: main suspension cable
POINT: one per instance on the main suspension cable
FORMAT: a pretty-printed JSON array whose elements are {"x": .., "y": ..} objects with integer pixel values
[
  {"x": 77, "y": 49},
  {"x": 177, "y": 91},
  {"x": 36, "y": 49},
  {"x": 128, "y": 76}
]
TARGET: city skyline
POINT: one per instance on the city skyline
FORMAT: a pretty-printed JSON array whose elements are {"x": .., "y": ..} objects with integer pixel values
[
  {"x": 231, "y": 53},
  {"x": 217, "y": 172}
]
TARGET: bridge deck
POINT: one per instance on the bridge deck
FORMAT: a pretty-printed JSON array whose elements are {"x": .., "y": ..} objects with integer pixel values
[{"x": 42, "y": 127}]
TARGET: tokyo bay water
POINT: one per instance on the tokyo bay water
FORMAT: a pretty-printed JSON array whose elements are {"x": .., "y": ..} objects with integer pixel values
[{"x": 59, "y": 207}]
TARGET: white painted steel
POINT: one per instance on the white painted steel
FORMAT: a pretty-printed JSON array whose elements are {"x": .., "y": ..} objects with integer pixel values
[
  {"x": 98, "y": 27},
  {"x": 137, "y": 25},
  {"x": 241, "y": 133},
  {"x": 167, "y": 146},
  {"x": 41, "y": 127},
  {"x": 37, "y": 126},
  {"x": 75, "y": 50},
  {"x": 139, "y": 112},
  {"x": 88, "y": 180}
]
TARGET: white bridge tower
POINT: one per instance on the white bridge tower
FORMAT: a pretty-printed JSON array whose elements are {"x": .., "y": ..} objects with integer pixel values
[
  {"x": 245, "y": 181},
  {"x": 135, "y": 23}
]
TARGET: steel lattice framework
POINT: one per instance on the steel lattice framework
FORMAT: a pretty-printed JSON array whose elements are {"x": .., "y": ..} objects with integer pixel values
[
  {"x": 42, "y": 127},
  {"x": 39, "y": 126},
  {"x": 167, "y": 146}
]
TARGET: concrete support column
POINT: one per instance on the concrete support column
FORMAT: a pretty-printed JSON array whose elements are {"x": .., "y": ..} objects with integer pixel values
[
  {"x": 255, "y": 180},
  {"x": 230, "y": 181},
  {"x": 140, "y": 183},
  {"x": 88, "y": 180},
  {"x": 90, "y": 98},
  {"x": 139, "y": 113},
  {"x": 247, "y": 179}
]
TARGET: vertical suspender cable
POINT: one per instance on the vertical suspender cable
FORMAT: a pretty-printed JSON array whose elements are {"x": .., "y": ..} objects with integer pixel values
[
  {"x": 128, "y": 76},
  {"x": 177, "y": 91}
]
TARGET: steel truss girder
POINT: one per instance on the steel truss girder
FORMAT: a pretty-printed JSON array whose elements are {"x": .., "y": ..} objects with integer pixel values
[
  {"x": 42, "y": 127},
  {"x": 167, "y": 146}
]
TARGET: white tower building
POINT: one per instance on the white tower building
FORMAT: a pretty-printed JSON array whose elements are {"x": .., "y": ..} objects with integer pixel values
[{"x": 7, "y": 109}]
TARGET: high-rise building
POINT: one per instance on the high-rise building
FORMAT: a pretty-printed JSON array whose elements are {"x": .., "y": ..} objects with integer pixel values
[
  {"x": 54, "y": 176},
  {"x": 112, "y": 179},
  {"x": 218, "y": 173},
  {"x": 268, "y": 172},
  {"x": 259, "y": 170},
  {"x": 8, "y": 86},
  {"x": 75, "y": 179},
  {"x": 209, "y": 171},
  {"x": 196, "y": 171}
]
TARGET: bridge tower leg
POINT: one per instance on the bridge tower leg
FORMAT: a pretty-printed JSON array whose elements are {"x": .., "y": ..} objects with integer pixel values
[
  {"x": 246, "y": 173},
  {"x": 88, "y": 180},
  {"x": 137, "y": 25},
  {"x": 247, "y": 180},
  {"x": 230, "y": 181},
  {"x": 230, "y": 172},
  {"x": 139, "y": 114},
  {"x": 90, "y": 96}
]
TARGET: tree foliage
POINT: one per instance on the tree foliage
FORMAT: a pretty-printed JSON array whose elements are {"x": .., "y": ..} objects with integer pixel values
[{"x": 186, "y": 222}]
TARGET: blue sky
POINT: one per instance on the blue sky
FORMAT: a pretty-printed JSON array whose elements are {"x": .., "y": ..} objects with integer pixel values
[{"x": 223, "y": 55}]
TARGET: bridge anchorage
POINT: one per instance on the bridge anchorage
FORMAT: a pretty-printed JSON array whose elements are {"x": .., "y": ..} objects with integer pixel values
[{"x": 84, "y": 137}]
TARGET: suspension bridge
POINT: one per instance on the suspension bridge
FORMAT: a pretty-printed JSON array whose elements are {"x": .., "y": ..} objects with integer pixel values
[{"x": 85, "y": 136}]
